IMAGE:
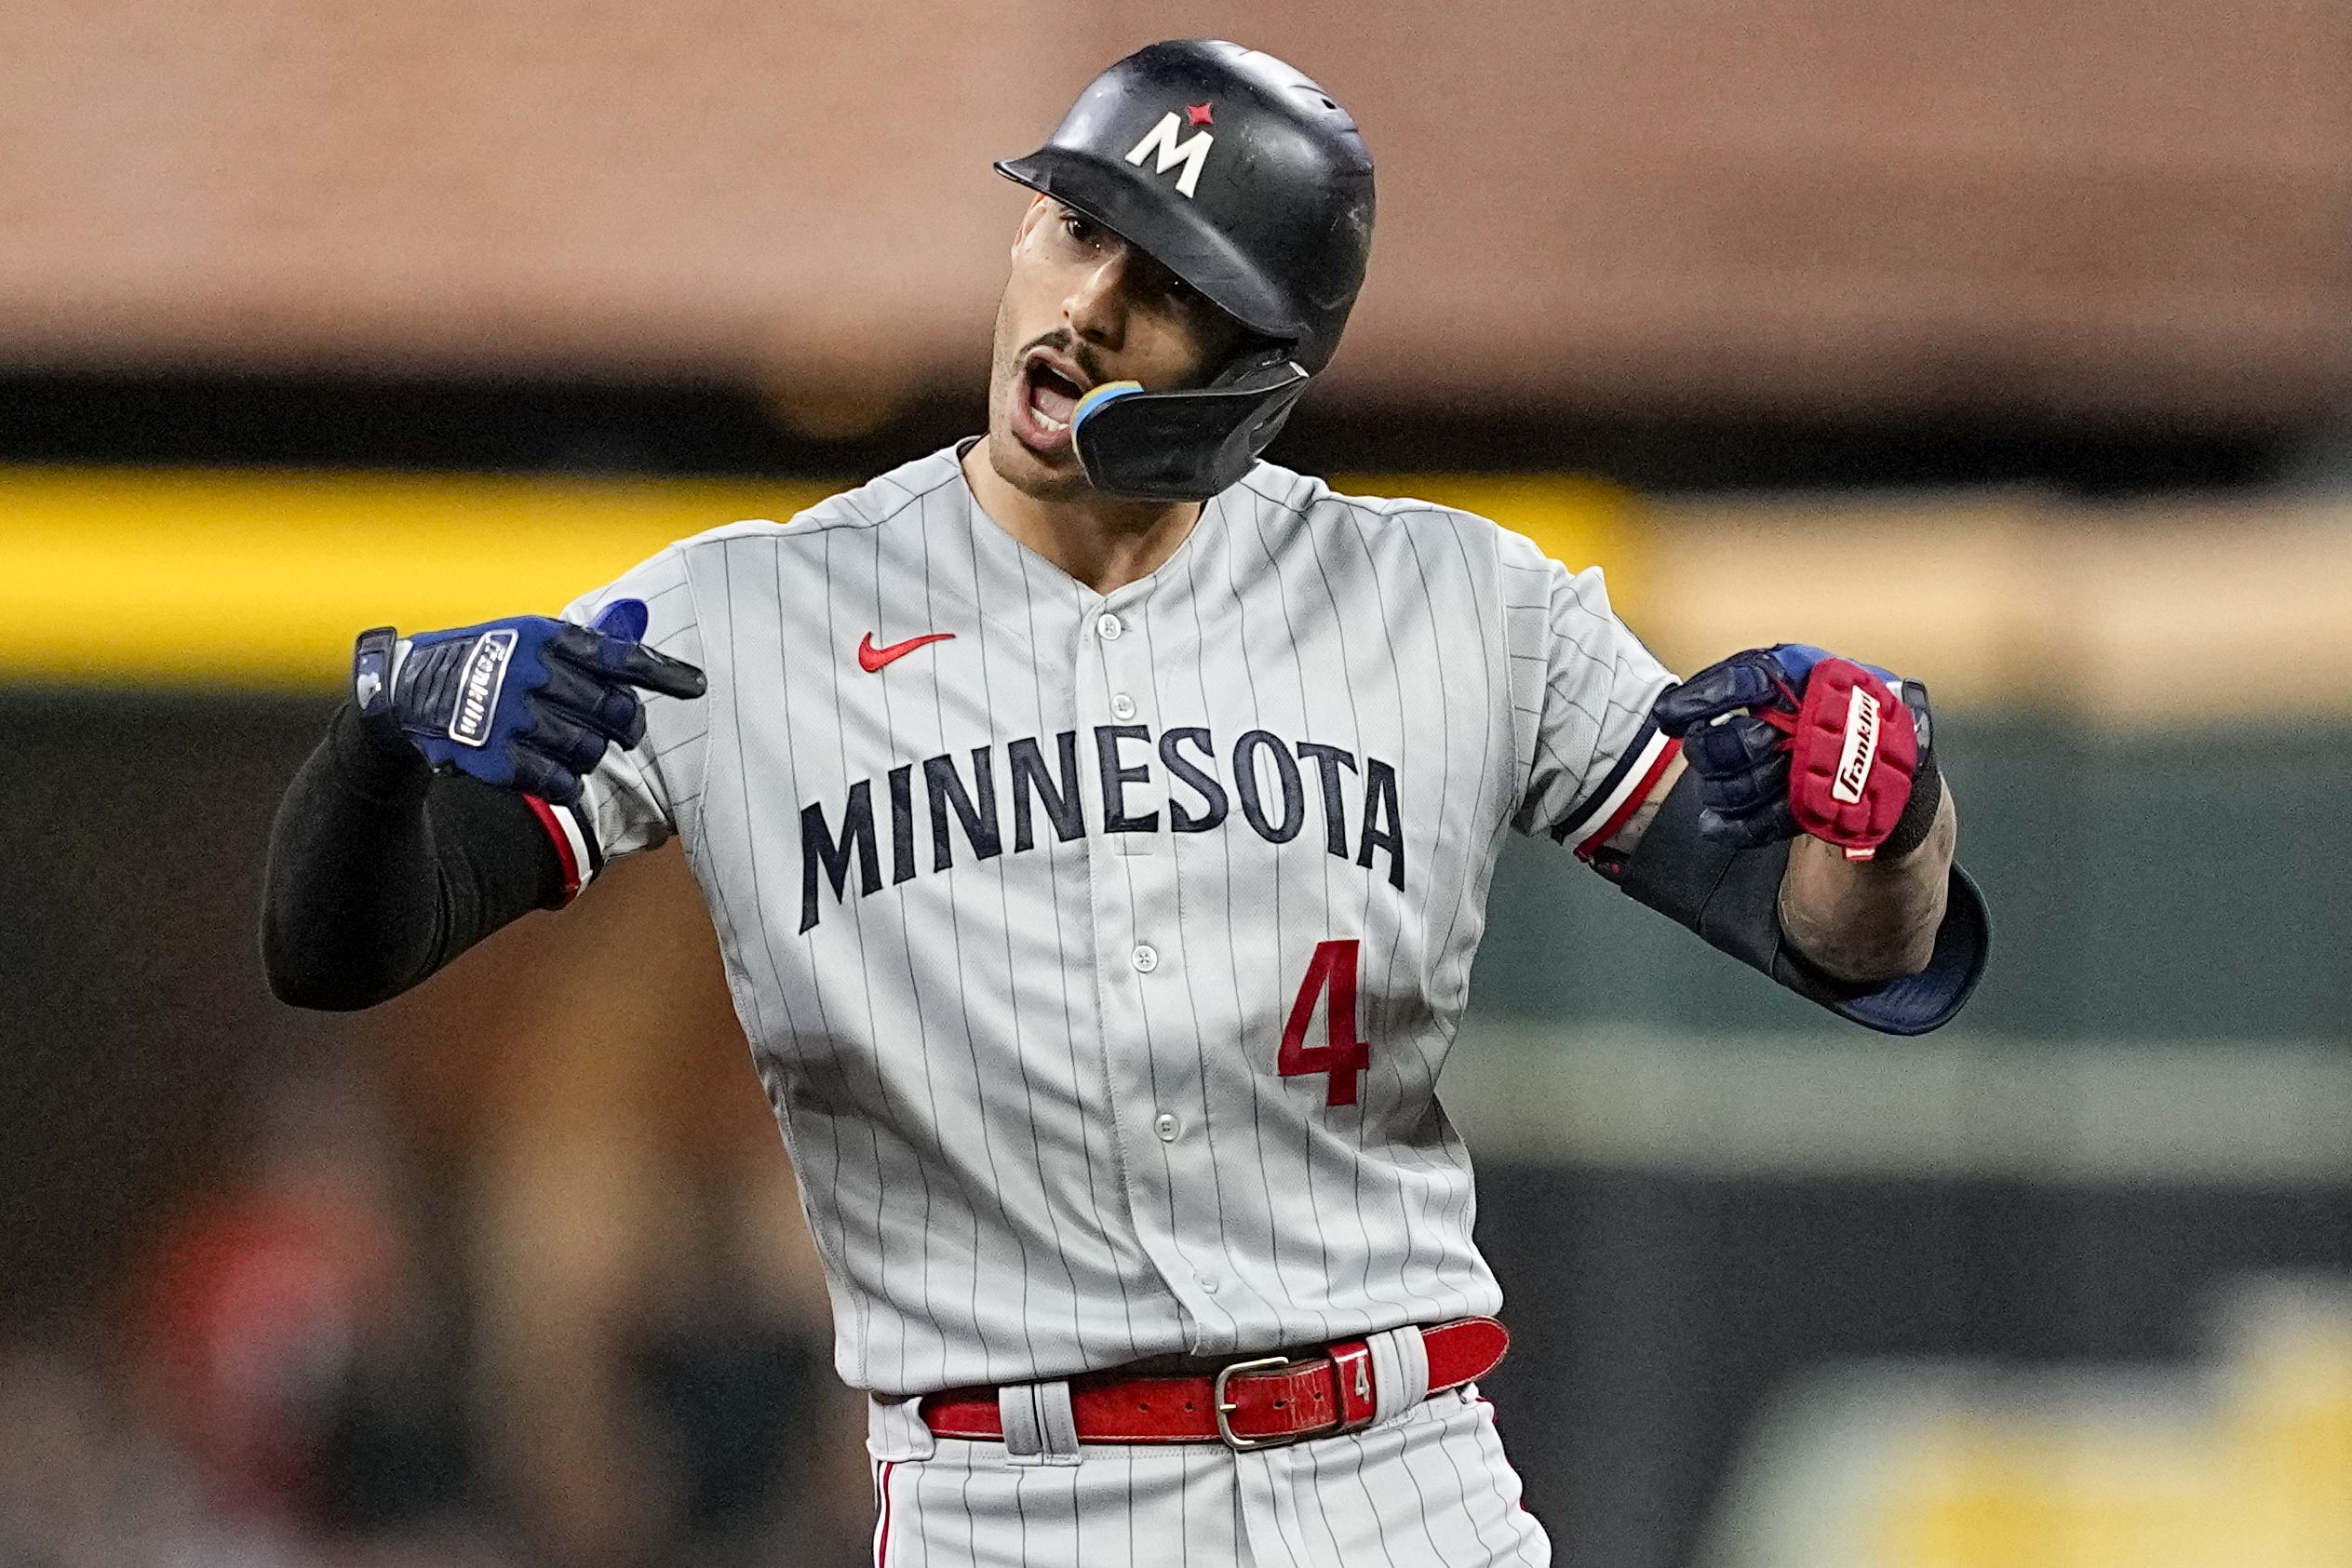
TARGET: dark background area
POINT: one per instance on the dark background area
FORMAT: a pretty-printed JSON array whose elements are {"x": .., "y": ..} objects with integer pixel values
[{"x": 730, "y": 427}]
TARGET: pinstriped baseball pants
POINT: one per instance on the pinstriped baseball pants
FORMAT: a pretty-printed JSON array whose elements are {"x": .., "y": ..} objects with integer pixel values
[{"x": 1430, "y": 1489}]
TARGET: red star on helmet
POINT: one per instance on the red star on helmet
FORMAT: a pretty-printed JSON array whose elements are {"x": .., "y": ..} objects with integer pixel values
[{"x": 1200, "y": 112}]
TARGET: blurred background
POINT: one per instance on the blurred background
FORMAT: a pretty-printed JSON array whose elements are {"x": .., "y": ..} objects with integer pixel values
[{"x": 2003, "y": 344}]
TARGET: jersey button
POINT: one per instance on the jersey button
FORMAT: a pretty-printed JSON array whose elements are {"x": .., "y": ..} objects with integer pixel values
[
  {"x": 1167, "y": 1126},
  {"x": 1109, "y": 627},
  {"x": 1208, "y": 1284},
  {"x": 1147, "y": 957},
  {"x": 1123, "y": 706}
]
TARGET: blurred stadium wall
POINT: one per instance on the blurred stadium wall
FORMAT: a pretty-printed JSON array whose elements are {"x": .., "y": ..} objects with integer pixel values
[
  {"x": 2003, "y": 345},
  {"x": 2093, "y": 207}
]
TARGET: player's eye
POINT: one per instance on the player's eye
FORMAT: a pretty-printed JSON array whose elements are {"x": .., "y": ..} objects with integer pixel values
[{"x": 1154, "y": 281}]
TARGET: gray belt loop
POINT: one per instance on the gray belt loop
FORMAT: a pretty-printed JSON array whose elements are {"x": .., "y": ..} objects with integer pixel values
[
  {"x": 1057, "y": 1423},
  {"x": 1400, "y": 1373},
  {"x": 1040, "y": 1428}
]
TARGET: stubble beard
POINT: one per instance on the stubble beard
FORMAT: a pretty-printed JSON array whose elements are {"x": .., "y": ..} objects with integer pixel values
[{"x": 1022, "y": 469}]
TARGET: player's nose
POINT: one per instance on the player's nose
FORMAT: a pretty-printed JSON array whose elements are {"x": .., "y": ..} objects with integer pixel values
[{"x": 1096, "y": 306}]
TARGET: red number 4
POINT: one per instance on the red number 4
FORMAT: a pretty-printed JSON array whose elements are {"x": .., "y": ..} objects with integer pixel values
[{"x": 1343, "y": 1056}]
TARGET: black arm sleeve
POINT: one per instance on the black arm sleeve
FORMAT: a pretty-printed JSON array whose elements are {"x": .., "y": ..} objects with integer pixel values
[
  {"x": 382, "y": 871},
  {"x": 1732, "y": 899}
]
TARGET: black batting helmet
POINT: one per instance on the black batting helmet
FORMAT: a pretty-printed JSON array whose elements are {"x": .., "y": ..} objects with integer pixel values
[{"x": 1248, "y": 181}]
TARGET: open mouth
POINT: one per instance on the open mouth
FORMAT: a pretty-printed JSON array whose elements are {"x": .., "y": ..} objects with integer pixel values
[
  {"x": 1049, "y": 393},
  {"x": 1052, "y": 394}
]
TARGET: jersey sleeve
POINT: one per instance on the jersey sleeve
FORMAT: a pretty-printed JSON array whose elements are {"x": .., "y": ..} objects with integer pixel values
[
  {"x": 637, "y": 797},
  {"x": 1589, "y": 683}
]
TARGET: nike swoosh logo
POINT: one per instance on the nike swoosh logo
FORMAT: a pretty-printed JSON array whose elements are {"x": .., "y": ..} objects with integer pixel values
[{"x": 870, "y": 658}]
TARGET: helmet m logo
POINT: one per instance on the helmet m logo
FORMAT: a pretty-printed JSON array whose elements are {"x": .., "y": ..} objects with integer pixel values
[{"x": 1191, "y": 153}]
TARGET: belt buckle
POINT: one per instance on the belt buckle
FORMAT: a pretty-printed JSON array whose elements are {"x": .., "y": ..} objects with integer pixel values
[{"x": 1225, "y": 1410}]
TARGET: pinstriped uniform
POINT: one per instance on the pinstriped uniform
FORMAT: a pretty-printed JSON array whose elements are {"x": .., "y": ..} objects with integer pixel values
[{"x": 1035, "y": 928}]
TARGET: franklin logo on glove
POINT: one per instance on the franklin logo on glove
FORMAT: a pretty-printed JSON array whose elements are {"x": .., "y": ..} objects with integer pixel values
[
  {"x": 485, "y": 677},
  {"x": 1861, "y": 745}
]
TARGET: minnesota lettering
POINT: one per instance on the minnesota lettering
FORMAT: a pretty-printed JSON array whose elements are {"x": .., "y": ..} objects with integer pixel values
[{"x": 1272, "y": 786}]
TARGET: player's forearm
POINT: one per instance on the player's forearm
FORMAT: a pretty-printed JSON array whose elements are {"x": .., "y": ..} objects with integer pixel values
[
  {"x": 380, "y": 873},
  {"x": 1870, "y": 920},
  {"x": 350, "y": 875}
]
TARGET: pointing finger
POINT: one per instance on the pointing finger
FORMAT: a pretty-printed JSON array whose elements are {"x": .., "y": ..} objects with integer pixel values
[
  {"x": 626, "y": 659},
  {"x": 639, "y": 665}
]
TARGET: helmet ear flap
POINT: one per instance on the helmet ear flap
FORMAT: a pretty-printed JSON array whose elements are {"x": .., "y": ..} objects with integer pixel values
[{"x": 1190, "y": 445}]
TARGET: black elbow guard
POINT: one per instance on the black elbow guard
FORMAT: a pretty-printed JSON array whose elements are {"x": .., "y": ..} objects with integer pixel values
[{"x": 1732, "y": 898}]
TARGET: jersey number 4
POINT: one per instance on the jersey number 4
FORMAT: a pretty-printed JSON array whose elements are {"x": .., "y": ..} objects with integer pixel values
[{"x": 1342, "y": 1055}]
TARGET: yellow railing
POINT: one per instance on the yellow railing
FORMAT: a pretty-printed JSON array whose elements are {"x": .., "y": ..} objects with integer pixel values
[
  {"x": 207, "y": 577},
  {"x": 197, "y": 578}
]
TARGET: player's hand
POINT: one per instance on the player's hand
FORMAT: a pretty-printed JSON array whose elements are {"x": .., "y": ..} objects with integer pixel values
[
  {"x": 526, "y": 704},
  {"x": 1791, "y": 739}
]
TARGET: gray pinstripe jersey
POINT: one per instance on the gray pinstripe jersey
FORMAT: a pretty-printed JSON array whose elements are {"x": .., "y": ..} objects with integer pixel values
[{"x": 1036, "y": 929}]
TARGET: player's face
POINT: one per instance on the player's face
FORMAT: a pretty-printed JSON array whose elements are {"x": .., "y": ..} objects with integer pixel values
[{"x": 1082, "y": 307}]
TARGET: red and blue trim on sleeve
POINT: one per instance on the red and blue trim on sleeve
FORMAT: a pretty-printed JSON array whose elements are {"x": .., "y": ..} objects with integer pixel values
[
  {"x": 574, "y": 835},
  {"x": 1612, "y": 805}
]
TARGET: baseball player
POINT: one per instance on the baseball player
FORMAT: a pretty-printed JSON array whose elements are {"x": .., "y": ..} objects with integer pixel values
[{"x": 1097, "y": 820}]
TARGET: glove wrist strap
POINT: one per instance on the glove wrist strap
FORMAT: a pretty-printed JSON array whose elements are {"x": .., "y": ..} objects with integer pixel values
[
  {"x": 375, "y": 667},
  {"x": 1918, "y": 817}
]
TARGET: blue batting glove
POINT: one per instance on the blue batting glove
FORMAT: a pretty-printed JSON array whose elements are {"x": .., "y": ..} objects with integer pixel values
[{"x": 526, "y": 704}]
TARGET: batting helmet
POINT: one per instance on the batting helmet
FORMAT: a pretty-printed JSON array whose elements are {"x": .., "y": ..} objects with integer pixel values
[{"x": 1246, "y": 181}]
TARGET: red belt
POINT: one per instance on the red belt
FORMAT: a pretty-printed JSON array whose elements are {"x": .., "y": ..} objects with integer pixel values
[{"x": 1258, "y": 1403}]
